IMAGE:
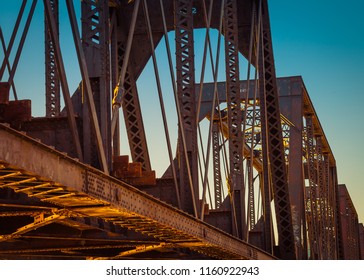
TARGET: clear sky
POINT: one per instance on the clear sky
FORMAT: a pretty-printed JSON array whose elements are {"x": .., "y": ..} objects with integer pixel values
[{"x": 323, "y": 41}]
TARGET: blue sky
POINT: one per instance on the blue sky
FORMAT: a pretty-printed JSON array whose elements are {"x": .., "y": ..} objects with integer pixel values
[{"x": 323, "y": 41}]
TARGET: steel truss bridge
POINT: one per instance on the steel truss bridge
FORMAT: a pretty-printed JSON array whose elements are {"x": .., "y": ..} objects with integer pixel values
[{"x": 251, "y": 174}]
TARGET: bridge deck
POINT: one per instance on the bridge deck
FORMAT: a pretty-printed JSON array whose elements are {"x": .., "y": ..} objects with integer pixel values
[{"x": 77, "y": 190}]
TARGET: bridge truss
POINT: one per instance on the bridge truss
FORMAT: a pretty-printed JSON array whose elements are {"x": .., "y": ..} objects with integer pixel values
[{"x": 270, "y": 191}]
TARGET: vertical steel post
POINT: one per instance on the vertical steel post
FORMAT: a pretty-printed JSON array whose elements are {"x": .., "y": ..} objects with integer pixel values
[
  {"x": 52, "y": 86},
  {"x": 327, "y": 209},
  {"x": 321, "y": 222},
  {"x": 216, "y": 164},
  {"x": 126, "y": 92},
  {"x": 234, "y": 113},
  {"x": 118, "y": 90},
  {"x": 335, "y": 211},
  {"x": 63, "y": 80},
  {"x": 265, "y": 177},
  {"x": 251, "y": 195},
  {"x": 185, "y": 66},
  {"x": 269, "y": 93},
  {"x": 87, "y": 85},
  {"x": 95, "y": 40},
  {"x": 312, "y": 188},
  {"x": 291, "y": 106},
  {"x": 132, "y": 114}
]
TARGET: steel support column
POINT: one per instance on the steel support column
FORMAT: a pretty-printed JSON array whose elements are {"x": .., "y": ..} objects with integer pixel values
[
  {"x": 326, "y": 189},
  {"x": 52, "y": 86},
  {"x": 185, "y": 66},
  {"x": 339, "y": 229},
  {"x": 132, "y": 114},
  {"x": 114, "y": 76},
  {"x": 251, "y": 195},
  {"x": 265, "y": 179},
  {"x": 216, "y": 164},
  {"x": 312, "y": 189},
  {"x": 321, "y": 198},
  {"x": 234, "y": 114},
  {"x": 63, "y": 80},
  {"x": 329, "y": 226},
  {"x": 292, "y": 106},
  {"x": 348, "y": 222},
  {"x": 332, "y": 213},
  {"x": 269, "y": 93},
  {"x": 87, "y": 87},
  {"x": 95, "y": 40}
]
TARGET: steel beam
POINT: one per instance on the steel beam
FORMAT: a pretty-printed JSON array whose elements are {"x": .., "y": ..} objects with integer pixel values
[
  {"x": 272, "y": 123},
  {"x": 117, "y": 202},
  {"x": 333, "y": 213},
  {"x": 95, "y": 42},
  {"x": 114, "y": 77},
  {"x": 234, "y": 114},
  {"x": 312, "y": 189},
  {"x": 216, "y": 164},
  {"x": 348, "y": 222},
  {"x": 185, "y": 67},
  {"x": 119, "y": 88},
  {"x": 52, "y": 86},
  {"x": 294, "y": 104},
  {"x": 63, "y": 80},
  {"x": 132, "y": 115},
  {"x": 291, "y": 92},
  {"x": 89, "y": 96},
  {"x": 321, "y": 198}
]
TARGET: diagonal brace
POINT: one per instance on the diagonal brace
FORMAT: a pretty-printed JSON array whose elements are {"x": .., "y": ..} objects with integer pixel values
[{"x": 39, "y": 221}]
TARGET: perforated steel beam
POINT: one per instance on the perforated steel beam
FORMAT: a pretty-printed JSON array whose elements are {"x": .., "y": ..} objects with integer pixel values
[
  {"x": 348, "y": 221},
  {"x": 185, "y": 78},
  {"x": 52, "y": 86},
  {"x": 312, "y": 189},
  {"x": 87, "y": 89},
  {"x": 63, "y": 79},
  {"x": 132, "y": 114},
  {"x": 216, "y": 164},
  {"x": 271, "y": 122},
  {"x": 234, "y": 113},
  {"x": 321, "y": 198}
]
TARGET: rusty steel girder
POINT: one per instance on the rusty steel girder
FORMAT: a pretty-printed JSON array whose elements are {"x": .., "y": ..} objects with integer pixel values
[
  {"x": 272, "y": 125},
  {"x": 87, "y": 193},
  {"x": 234, "y": 115},
  {"x": 185, "y": 78},
  {"x": 52, "y": 85},
  {"x": 349, "y": 241}
]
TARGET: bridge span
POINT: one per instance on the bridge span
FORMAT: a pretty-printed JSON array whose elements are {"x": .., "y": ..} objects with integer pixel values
[{"x": 251, "y": 173}]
